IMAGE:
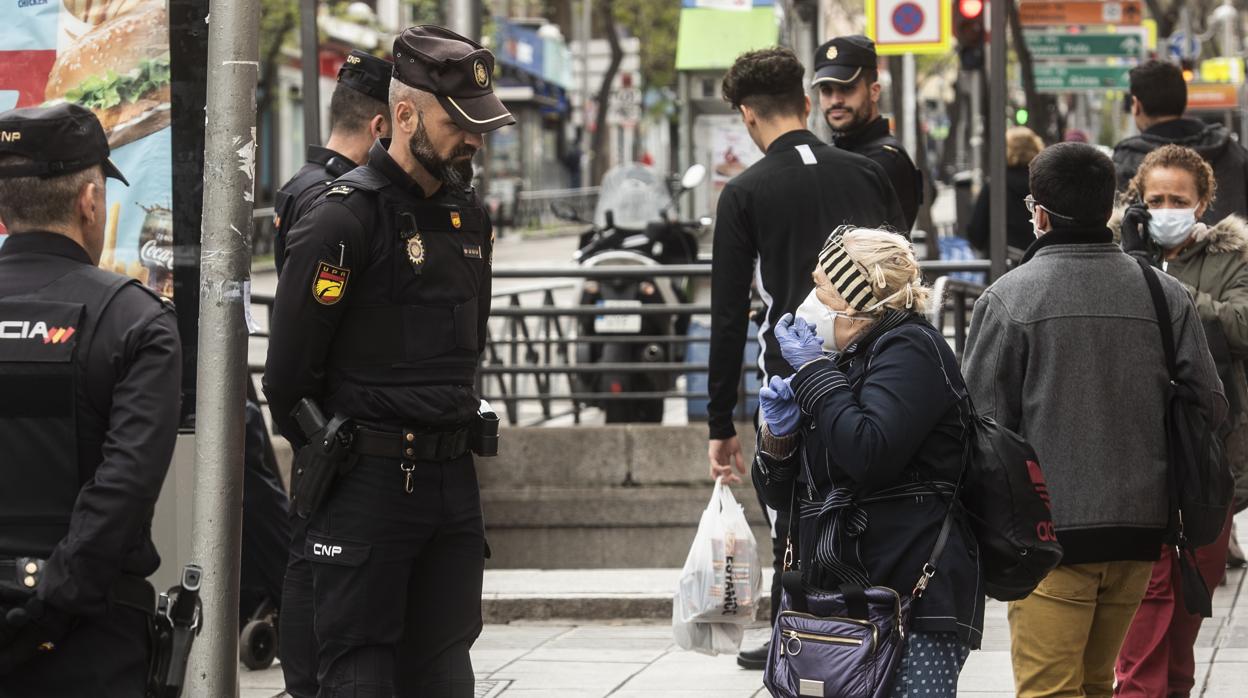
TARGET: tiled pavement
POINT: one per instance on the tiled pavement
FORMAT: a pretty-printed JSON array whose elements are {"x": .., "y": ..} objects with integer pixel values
[{"x": 557, "y": 659}]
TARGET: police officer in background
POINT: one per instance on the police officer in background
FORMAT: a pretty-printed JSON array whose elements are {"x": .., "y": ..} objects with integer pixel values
[
  {"x": 380, "y": 319},
  {"x": 90, "y": 371},
  {"x": 847, "y": 77},
  {"x": 358, "y": 115}
]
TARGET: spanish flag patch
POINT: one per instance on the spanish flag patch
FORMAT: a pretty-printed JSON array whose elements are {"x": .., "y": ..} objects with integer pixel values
[{"x": 330, "y": 283}]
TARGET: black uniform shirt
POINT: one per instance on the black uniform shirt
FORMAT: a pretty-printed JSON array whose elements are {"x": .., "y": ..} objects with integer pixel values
[
  {"x": 876, "y": 142},
  {"x": 426, "y": 376},
  {"x": 127, "y": 414},
  {"x": 771, "y": 222},
  {"x": 296, "y": 196}
]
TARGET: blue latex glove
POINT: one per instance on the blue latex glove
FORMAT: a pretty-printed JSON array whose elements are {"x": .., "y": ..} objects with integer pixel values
[
  {"x": 799, "y": 345},
  {"x": 779, "y": 407}
]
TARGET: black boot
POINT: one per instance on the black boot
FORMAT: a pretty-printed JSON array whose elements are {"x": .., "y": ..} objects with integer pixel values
[{"x": 754, "y": 659}]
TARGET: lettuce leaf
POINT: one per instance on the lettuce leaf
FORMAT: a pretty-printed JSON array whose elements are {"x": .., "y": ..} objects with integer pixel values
[{"x": 109, "y": 90}]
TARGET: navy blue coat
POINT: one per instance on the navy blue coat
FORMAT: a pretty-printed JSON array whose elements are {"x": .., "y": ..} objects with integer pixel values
[{"x": 885, "y": 419}]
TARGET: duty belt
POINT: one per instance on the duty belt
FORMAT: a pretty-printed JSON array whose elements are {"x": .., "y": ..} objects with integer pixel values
[
  {"x": 127, "y": 590},
  {"x": 411, "y": 444}
]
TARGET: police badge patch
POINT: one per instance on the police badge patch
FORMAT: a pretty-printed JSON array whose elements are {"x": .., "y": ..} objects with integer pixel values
[
  {"x": 416, "y": 251},
  {"x": 330, "y": 283},
  {"x": 456, "y": 221}
]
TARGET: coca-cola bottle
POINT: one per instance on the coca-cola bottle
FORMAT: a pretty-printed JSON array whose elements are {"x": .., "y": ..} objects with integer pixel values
[{"x": 156, "y": 249}]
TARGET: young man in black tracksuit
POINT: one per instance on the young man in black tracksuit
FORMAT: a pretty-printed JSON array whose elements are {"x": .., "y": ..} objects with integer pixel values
[{"x": 771, "y": 221}]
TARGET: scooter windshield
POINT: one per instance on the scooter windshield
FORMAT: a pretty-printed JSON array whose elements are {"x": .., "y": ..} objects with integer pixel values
[{"x": 634, "y": 194}]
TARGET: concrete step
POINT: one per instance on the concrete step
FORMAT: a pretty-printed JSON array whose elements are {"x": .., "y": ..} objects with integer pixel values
[{"x": 586, "y": 594}]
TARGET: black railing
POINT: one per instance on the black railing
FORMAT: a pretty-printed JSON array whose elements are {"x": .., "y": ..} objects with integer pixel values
[{"x": 532, "y": 338}]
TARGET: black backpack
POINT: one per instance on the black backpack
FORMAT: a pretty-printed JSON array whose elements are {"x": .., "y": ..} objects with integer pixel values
[{"x": 1007, "y": 505}]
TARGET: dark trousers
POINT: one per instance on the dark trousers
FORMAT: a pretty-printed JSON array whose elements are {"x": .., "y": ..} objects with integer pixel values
[
  {"x": 780, "y": 525},
  {"x": 296, "y": 635},
  {"x": 397, "y": 580},
  {"x": 105, "y": 657}
]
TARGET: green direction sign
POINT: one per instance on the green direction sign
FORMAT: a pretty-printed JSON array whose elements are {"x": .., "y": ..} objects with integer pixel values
[
  {"x": 1051, "y": 77},
  {"x": 1089, "y": 45}
]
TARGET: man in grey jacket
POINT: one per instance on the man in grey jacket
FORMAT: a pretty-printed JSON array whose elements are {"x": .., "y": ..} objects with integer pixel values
[{"x": 1066, "y": 350}]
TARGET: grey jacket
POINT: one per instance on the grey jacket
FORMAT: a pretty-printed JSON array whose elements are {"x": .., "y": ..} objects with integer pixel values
[{"x": 1065, "y": 350}]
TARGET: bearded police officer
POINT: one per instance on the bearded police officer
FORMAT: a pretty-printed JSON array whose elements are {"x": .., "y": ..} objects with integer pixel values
[
  {"x": 377, "y": 330},
  {"x": 847, "y": 78},
  {"x": 90, "y": 367},
  {"x": 358, "y": 115}
]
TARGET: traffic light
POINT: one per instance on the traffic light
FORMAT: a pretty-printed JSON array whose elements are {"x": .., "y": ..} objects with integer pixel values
[
  {"x": 1021, "y": 116},
  {"x": 968, "y": 29}
]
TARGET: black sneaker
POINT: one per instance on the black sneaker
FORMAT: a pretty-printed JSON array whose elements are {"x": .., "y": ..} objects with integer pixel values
[{"x": 755, "y": 659}]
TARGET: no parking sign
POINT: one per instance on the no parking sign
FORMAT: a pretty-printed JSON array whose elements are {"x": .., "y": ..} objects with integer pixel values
[{"x": 909, "y": 26}]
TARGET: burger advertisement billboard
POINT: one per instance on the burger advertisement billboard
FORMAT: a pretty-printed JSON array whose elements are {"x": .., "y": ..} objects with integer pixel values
[{"x": 112, "y": 57}]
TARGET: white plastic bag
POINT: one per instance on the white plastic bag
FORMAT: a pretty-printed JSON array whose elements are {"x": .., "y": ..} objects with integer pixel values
[{"x": 721, "y": 581}]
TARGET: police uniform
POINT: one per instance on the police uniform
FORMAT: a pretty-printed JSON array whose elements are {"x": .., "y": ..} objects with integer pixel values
[
  {"x": 90, "y": 367},
  {"x": 842, "y": 60},
  {"x": 366, "y": 74},
  {"x": 380, "y": 316}
]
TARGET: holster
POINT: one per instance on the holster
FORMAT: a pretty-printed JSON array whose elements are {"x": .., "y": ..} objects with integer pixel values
[
  {"x": 175, "y": 624},
  {"x": 483, "y": 435},
  {"x": 326, "y": 456}
]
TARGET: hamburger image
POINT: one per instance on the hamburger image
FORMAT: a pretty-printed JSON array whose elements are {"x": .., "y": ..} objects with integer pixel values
[{"x": 120, "y": 71}]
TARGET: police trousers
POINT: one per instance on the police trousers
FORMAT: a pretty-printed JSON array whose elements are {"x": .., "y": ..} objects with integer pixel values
[
  {"x": 396, "y": 578},
  {"x": 102, "y": 657}
]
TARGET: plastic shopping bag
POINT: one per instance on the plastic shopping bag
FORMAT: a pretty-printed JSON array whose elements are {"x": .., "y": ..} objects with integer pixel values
[{"x": 721, "y": 581}]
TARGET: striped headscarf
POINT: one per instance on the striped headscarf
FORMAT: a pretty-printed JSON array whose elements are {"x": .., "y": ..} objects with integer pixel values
[{"x": 848, "y": 277}]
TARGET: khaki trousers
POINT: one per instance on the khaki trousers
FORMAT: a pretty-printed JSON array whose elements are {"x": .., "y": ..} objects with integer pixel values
[{"x": 1065, "y": 636}]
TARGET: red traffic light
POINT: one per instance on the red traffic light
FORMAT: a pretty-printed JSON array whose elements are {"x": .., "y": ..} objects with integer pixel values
[{"x": 970, "y": 9}]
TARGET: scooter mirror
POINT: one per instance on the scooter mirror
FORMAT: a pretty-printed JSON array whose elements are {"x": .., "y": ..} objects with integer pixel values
[{"x": 693, "y": 176}]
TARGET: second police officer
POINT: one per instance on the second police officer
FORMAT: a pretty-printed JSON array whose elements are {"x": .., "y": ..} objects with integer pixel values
[
  {"x": 380, "y": 319},
  {"x": 358, "y": 115},
  {"x": 847, "y": 78}
]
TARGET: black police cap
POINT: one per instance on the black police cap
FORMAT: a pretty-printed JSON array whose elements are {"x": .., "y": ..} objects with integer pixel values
[
  {"x": 368, "y": 74},
  {"x": 60, "y": 139},
  {"x": 842, "y": 60},
  {"x": 458, "y": 70}
]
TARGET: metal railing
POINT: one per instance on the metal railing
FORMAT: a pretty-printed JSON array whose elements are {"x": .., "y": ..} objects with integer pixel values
[
  {"x": 535, "y": 209},
  {"x": 529, "y": 365}
]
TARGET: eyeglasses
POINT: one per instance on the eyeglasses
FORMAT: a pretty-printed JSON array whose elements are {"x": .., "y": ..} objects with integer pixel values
[{"x": 1030, "y": 202}]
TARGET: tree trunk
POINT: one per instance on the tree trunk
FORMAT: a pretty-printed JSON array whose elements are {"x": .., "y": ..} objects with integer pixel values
[
  {"x": 1166, "y": 17},
  {"x": 269, "y": 64},
  {"x": 600, "y": 144},
  {"x": 1041, "y": 108}
]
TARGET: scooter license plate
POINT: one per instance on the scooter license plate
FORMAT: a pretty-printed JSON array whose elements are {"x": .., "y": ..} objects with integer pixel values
[{"x": 618, "y": 324}]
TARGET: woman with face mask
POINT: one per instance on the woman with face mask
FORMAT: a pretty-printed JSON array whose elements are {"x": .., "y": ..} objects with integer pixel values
[
  {"x": 1171, "y": 192},
  {"x": 868, "y": 431}
]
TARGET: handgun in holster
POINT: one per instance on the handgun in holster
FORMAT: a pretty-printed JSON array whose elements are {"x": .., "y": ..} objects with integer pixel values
[
  {"x": 178, "y": 620},
  {"x": 483, "y": 433},
  {"x": 326, "y": 456}
]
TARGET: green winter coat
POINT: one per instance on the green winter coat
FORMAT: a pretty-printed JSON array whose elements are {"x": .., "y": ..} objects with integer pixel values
[{"x": 1214, "y": 268}]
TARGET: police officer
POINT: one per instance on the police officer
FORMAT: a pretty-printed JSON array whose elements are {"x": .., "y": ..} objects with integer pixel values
[
  {"x": 90, "y": 371},
  {"x": 849, "y": 96},
  {"x": 358, "y": 115},
  {"x": 380, "y": 318}
]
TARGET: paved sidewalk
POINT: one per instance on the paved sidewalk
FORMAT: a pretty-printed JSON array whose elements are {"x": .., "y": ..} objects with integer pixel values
[{"x": 595, "y": 659}]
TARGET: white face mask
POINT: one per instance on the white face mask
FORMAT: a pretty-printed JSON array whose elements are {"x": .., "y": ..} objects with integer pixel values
[
  {"x": 1170, "y": 227},
  {"x": 823, "y": 318},
  {"x": 1035, "y": 228}
]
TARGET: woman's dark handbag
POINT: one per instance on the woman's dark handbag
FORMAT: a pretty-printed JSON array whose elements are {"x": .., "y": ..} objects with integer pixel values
[
  {"x": 845, "y": 643},
  {"x": 1007, "y": 505},
  {"x": 1201, "y": 484}
]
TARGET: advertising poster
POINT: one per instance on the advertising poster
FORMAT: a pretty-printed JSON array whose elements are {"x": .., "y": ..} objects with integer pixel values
[{"x": 111, "y": 56}]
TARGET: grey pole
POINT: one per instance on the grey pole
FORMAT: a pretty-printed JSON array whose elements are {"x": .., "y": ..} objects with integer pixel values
[
  {"x": 310, "y": 63},
  {"x": 464, "y": 17},
  {"x": 587, "y": 155},
  {"x": 996, "y": 138},
  {"x": 225, "y": 259}
]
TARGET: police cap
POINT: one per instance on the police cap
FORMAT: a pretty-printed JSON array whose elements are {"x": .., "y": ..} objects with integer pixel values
[
  {"x": 368, "y": 74},
  {"x": 60, "y": 139},
  {"x": 457, "y": 70},
  {"x": 842, "y": 59}
]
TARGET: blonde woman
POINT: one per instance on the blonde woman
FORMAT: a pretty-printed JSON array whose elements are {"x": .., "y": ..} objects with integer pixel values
[
  {"x": 874, "y": 412},
  {"x": 1022, "y": 145}
]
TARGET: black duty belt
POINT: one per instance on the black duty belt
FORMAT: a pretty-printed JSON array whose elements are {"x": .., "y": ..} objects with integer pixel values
[
  {"x": 127, "y": 590},
  {"x": 411, "y": 444}
]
